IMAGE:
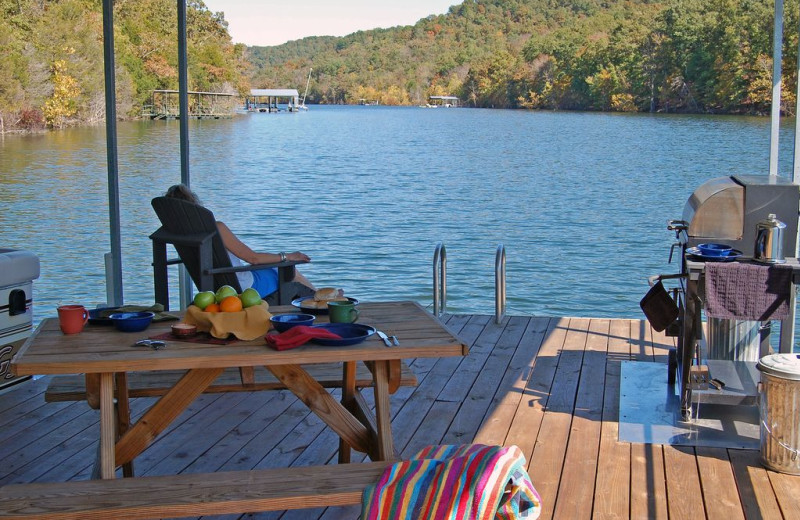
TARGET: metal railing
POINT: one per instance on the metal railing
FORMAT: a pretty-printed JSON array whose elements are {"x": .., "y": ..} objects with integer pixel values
[
  {"x": 500, "y": 284},
  {"x": 439, "y": 280}
]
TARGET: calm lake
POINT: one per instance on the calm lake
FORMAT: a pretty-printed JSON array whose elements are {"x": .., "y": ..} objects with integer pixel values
[{"x": 580, "y": 200}]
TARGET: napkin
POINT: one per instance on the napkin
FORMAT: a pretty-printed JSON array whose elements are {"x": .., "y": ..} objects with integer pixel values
[
  {"x": 156, "y": 309},
  {"x": 247, "y": 325},
  {"x": 297, "y": 336}
]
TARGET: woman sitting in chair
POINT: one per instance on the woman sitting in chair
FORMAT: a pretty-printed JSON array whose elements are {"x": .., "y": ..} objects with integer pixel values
[{"x": 265, "y": 281}]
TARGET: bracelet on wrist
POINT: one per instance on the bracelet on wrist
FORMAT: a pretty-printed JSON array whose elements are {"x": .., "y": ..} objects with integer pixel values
[{"x": 283, "y": 256}]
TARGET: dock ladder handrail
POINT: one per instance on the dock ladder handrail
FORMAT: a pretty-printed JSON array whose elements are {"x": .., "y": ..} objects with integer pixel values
[
  {"x": 500, "y": 284},
  {"x": 439, "y": 280}
]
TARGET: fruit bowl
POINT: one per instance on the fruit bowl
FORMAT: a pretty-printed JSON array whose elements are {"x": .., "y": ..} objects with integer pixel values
[
  {"x": 132, "y": 321},
  {"x": 284, "y": 322}
]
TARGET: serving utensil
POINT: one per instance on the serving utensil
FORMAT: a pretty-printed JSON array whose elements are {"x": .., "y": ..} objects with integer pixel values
[{"x": 384, "y": 337}]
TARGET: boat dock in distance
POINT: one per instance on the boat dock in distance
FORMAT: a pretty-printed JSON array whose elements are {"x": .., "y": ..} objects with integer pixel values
[
  {"x": 273, "y": 100},
  {"x": 165, "y": 104},
  {"x": 442, "y": 101}
]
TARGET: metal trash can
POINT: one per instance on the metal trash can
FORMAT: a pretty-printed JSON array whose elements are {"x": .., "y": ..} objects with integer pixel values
[
  {"x": 779, "y": 406},
  {"x": 733, "y": 340},
  {"x": 18, "y": 269}
]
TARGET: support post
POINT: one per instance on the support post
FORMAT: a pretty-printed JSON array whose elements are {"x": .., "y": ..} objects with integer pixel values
[{"x": 114, "y": 294}]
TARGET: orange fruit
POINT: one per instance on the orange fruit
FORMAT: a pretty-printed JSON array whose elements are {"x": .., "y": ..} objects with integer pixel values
[
  {"x": 230, "y": 304},
  {"x": 212, "y": 307}
]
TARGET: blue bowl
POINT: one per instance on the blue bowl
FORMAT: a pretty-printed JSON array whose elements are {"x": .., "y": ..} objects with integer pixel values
[
  {"x": 132, "y": 321},
  {"x": 283, "y": 322},
  {"x": 714, "y": 249}
]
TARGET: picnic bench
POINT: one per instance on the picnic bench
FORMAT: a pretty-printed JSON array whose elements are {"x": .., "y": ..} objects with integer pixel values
[
  {"x": 191, "y": 494},
  {"x": 72, "y": 387}
]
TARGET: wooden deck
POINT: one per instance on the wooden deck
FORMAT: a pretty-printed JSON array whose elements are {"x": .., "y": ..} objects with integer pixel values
[{"x": 548, "y": 385}]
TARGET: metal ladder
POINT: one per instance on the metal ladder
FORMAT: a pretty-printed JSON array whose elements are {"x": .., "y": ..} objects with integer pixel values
[{"x": 440, "y": 282}]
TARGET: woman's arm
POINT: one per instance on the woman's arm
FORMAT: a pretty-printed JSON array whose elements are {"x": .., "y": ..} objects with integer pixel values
[{"x": 243, "y": 251}]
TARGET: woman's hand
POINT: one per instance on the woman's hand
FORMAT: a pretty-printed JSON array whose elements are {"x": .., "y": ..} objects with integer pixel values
[{"x": 297, "y": 256}]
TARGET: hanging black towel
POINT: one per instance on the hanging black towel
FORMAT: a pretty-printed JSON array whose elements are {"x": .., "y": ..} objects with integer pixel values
[
  {"x": 743, "y": 291},
  {"x": 659, "y": 307}
]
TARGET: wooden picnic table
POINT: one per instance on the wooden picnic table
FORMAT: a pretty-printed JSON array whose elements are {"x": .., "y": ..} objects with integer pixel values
[{"x": 106, "y": 355}]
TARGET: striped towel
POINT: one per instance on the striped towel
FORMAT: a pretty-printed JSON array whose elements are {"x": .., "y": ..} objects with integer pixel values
[{"x": 453, "y": 483}]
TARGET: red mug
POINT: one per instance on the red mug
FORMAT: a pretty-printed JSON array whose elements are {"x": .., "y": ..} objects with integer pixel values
[{"x": 72, "y": 318}]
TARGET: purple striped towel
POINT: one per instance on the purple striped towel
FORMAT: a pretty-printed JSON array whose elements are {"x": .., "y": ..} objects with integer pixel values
[{"x": 745, "y": 291}]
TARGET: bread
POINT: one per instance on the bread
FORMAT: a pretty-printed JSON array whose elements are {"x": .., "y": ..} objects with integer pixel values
[
  {"x": 311, "y": 303},
  {"x": 327, "y": 294}
]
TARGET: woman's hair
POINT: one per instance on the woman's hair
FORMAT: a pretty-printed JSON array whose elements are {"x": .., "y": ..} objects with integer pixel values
[{"x": 181, "y": 191}]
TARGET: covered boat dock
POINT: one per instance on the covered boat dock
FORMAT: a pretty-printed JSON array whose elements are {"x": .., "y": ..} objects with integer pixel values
[
  {"x": 444, "y": 101},
  {"x": 165, "y": 104},
  {"x": 270, "y": 99}
]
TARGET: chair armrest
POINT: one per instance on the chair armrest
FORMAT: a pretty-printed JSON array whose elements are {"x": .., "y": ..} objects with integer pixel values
[{"x": 253, "y": 267}]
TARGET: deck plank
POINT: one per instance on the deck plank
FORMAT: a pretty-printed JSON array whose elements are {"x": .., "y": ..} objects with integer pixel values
[
  {"x": 755, "y": 490},
  {"x": 719, "y": 484},
  {"x": 511, "y": 390},
  {"x": 683, "y": 484},
  {"x": 611, "y": 496},
  {"x": 548, "y": 385},
  {"x": 580, "y": 462}
]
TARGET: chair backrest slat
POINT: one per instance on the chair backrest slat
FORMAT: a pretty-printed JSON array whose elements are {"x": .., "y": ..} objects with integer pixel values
[{"x": 182, "y": 217}]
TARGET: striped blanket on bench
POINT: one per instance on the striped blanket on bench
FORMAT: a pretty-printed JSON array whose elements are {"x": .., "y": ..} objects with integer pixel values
[{"x": 453, "y": 483}]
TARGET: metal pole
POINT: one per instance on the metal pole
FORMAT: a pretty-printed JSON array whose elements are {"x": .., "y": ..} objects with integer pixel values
[
  {"x": 439, "y": 280},
  {"x": 115, "y": 267},
  {"x": 795, "y": 162},
  {"x": 775, "y": 114},
  {"x": 500, "y": 284},
  {"x": 184, "y": 282},
  {"x": 183, "y": 91}
]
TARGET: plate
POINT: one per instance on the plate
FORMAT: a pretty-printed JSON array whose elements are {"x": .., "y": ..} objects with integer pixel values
[
  {"x": 351, "y": 333},
  {"x": 313, "y": 310},
  {"x": 730, "y": 257},
  {"x": 96, "y": 316}
]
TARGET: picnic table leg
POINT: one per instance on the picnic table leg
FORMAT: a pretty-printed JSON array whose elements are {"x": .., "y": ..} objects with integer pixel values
[
  {"x": 123, "y": 416},
  {"x": 163, "y": 412},
  {"x": 319, "y": 401},
  {"x": 105, "y": 462},
  {"x": 348, "y": 394},
  {"x": 383, "y": 416}
]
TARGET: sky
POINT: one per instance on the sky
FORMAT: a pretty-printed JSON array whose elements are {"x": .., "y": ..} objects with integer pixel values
[{"x": 269, "y": 22}]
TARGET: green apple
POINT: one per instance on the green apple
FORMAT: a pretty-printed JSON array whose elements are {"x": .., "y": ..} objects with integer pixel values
[
  {"x": 225, "y": 291},
  {"x": 204, "y": 299},
  {"x": 250, "y": 297}
]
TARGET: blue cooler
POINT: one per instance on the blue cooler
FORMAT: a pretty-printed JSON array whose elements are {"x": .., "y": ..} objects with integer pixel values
[{"x": 18, "y": 269}]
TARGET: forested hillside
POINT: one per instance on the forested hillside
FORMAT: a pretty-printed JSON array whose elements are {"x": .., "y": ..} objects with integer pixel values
[
  {"x": 51, "y": 64},
  {"x": 635, "y": 55},
  {"x": 615, "y": 55}
]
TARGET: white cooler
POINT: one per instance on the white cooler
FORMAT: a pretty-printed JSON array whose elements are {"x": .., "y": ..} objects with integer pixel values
[{"x": 18, "y": 269}]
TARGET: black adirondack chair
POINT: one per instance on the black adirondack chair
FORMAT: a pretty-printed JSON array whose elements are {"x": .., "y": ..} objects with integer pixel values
[{"x": 192, "y": 230}]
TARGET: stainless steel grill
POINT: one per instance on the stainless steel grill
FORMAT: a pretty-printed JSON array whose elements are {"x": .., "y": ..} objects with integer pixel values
[{"x": 726, "y": 210}]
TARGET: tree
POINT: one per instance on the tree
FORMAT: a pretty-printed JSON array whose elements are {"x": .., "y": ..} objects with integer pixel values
[{"x": 63, "y": 103}]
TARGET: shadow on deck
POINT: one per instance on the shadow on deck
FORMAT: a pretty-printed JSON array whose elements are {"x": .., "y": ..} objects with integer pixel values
[{"x": 548, "y": 385}]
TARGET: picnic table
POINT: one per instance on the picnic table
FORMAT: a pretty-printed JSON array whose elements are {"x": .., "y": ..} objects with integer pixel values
[{"x": 106, "y": 356}]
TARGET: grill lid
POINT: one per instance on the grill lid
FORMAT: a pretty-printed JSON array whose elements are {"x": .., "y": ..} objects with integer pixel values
[{"x": 716, "y": 210}]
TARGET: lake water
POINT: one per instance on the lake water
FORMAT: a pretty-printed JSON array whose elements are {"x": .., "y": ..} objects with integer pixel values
[{"x": 580, "y": 200}]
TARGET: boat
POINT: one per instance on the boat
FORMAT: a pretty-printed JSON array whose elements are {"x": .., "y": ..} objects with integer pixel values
[{"x": 302, "y": 106}]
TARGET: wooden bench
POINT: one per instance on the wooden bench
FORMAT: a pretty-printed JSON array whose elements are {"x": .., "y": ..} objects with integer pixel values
[
  {"x": 191, "y": 494},
  {"x": 157, "y": 383}
]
